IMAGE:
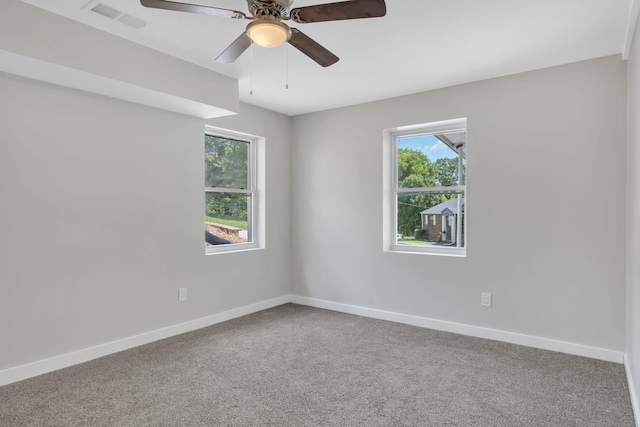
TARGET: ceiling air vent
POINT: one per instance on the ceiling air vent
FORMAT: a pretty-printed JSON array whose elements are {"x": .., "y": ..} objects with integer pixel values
[
  {"x": 113, "y": 13},
  {"x": 107, "y": 11}
]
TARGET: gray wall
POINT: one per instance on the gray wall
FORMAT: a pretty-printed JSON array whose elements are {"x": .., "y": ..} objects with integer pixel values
[
  {"x": 102, "y": 221},
  {"x": 633, "y": 213},
  {"x": 546, "y": 197}
]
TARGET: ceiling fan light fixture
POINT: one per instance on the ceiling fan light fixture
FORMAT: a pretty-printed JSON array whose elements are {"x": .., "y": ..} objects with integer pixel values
[{"x": 267, "y": 33}]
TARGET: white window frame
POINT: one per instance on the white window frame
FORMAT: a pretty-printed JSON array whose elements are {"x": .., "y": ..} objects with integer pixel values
[
  {"x": 391, "y": 190},
  {"x": 255, "y": 224}
]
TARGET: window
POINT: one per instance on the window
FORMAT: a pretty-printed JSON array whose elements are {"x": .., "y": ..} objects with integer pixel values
[
  {"x": 230, "y": 191},
  {"x": 427, "y": 173}
]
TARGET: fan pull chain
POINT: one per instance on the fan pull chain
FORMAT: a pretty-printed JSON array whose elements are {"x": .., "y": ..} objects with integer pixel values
[
  {"x": 251, "y": 71},
  {"x": 287, "y": 68}
]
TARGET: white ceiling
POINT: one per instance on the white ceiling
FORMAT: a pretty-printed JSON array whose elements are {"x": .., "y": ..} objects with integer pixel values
[{"x": 420, "y": 45}]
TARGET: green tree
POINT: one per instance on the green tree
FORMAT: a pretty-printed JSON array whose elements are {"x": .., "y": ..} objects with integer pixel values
[
  {"x": 414, "y": 170},
  {"x": 446, "y": 172},
  {"x": 226, "y": 162}
]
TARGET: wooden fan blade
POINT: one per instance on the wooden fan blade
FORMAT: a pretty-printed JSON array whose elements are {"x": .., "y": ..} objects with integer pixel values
[
  {"x": 235, "y": 49},
  {"x": 354, "y": 9},
  {"x": 193, "y": 8},
  {"x": 311, "y": 48}
]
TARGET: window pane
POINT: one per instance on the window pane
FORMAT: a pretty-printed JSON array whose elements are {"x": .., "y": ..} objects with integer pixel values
[
  {"x": 431, "y": 219},
  {"x": 227, "y": 218},
  {"x": 431, "y": 160},
  {"x": 226, "y": 162}
]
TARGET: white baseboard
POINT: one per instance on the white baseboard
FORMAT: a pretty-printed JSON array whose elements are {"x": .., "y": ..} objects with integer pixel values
[
  {"x": 40, "y": 367},
  {"x": 635, "y": 405},
  {"x": 474, "y": 331}
]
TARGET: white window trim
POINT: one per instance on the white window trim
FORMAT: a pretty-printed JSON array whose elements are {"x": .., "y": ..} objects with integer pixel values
[
  {"x": 255, "y": 183},
  {"x": 391, "y": 190}
]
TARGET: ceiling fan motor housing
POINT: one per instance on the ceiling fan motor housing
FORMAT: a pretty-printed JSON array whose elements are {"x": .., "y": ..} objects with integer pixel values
[{"x": 277, "y": 9}]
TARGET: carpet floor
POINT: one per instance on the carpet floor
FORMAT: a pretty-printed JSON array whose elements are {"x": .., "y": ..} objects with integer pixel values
[{"x": 300, "y": 366}]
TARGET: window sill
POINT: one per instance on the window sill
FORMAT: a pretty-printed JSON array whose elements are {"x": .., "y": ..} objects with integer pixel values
[
  {"x": 438, "y": 251},
  {"x": 227, "y": 249}
]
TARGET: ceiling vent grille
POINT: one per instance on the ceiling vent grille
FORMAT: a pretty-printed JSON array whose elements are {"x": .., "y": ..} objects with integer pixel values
[
  {"x": 113, "y": 13},
  {"x": 107, "y": 11}
]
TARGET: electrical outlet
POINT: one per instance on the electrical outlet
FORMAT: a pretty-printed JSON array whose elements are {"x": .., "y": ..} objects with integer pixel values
[
  {"x": 182, "y": 294},
  {"x": 485, "y": 299}
]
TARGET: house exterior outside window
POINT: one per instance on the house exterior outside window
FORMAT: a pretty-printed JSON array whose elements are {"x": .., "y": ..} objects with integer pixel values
[{"x": 439, "y": 222}]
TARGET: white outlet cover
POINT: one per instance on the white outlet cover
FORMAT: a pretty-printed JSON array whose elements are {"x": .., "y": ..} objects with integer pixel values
[
  {"x": 485, "y": 299},
  {"x": 182, "y": 294}
]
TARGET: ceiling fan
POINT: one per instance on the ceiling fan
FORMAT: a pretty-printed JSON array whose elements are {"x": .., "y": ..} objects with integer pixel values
[{"x": 267, "y": 29}]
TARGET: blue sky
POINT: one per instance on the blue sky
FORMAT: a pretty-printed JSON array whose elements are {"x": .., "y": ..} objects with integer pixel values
[{"x": 429, "y": 145}]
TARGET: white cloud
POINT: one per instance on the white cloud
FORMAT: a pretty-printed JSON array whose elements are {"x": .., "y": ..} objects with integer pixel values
[{"x": 437, "y": 146}]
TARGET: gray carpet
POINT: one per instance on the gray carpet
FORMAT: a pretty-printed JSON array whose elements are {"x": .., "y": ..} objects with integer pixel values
[{"x": 300, "y": 366}]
